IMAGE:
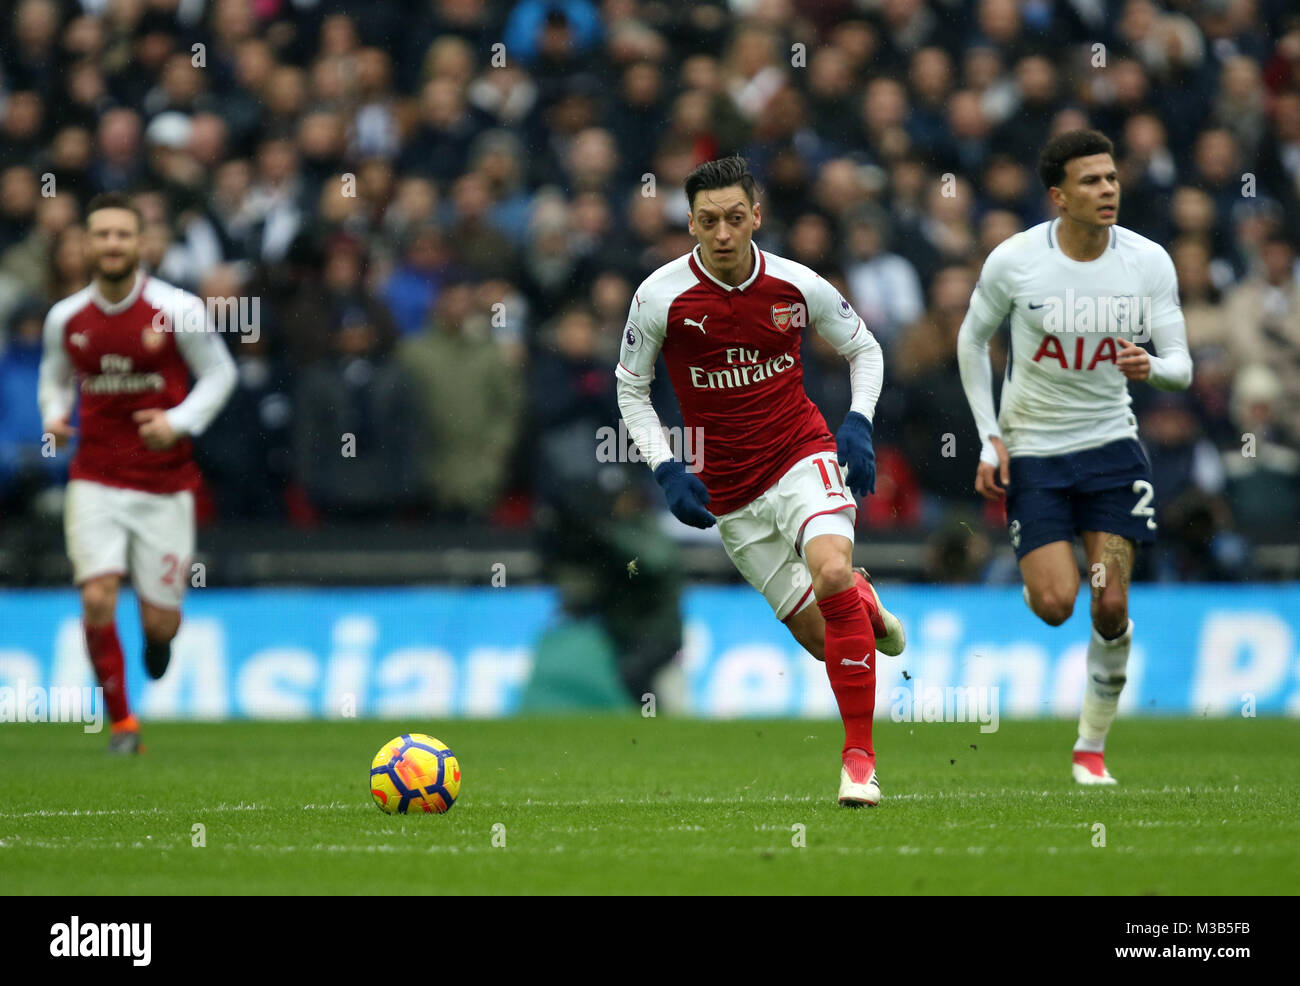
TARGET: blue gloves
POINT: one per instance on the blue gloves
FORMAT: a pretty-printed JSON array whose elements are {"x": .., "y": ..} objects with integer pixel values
[
  {"x": 686, "y": 494},
  {"x": 853, "y": 442}
]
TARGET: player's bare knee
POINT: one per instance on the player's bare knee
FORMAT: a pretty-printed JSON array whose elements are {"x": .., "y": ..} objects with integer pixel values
[
  {"x": 99, "y": 601},
  {"x": 1054, "y": 608},
  {"x": 831, "y": 576},
  {"x": 1110, "y": 615},
  {"x": 160, "y": 625}
]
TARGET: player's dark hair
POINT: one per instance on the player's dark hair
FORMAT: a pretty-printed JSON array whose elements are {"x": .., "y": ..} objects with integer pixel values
[
  {"x": 722, "y": 173},
  {"x": 1064, "y": 148},
  {"x": 114, "y": 200}
]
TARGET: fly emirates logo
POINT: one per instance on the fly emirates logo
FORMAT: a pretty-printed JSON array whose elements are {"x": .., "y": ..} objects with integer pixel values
[
  {"x": 743, "y": 369},
  {"x": 116, "y": 377}
]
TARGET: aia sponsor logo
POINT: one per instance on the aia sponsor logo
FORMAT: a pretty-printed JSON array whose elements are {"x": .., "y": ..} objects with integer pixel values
[{"x": 1052, "y": 350}]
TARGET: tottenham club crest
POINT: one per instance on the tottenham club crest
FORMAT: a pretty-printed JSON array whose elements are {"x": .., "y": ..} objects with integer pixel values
[{"x": 783, "y": 316}]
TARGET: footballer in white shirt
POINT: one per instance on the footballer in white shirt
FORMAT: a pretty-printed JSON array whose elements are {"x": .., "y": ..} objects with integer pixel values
[{"x": 1081, "y": 293}]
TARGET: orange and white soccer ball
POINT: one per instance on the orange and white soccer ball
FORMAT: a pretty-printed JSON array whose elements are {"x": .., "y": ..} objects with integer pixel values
[{"x": 415, "y": 772}]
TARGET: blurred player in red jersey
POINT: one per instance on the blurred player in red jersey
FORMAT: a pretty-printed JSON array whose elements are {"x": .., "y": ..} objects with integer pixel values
[
  {"x": 728, "y": 319},
  {"x": 130, "y": 343}
]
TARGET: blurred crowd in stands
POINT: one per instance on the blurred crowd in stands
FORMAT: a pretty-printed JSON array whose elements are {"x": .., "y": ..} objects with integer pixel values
[{"x": 443, "y": 208}]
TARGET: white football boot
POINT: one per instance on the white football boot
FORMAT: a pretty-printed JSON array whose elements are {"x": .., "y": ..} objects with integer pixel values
[
  {"x": 892, "y": 641},
  {"x": 1090, "y": 768},
  {"x": 858, "y": 784}
]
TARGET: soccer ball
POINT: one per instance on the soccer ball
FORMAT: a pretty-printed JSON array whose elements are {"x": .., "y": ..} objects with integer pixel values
[{"x": 415, "y": 772}]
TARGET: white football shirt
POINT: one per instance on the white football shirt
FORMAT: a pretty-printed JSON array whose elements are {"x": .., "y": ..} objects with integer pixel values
[{"x": 1063, "y": 390}]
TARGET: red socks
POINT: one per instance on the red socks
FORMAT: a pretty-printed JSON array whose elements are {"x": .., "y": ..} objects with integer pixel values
[
  {"x": 849, "y": 639},
  {"x": 110, "y": 668}
]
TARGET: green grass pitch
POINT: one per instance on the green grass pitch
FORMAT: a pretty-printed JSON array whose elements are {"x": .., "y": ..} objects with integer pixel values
[{"x": 632, "y": 805}]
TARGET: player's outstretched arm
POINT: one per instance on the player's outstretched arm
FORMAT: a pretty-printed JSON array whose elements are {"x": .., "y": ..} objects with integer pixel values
[
  {"x": 991, "y": 479},
  {"x": 992, "y": 471},
  {"x": 643, "y": 337},
  {"x": 206, "y": 355},
  {"x": 853, "y": 442},
  {"x": 989, "y": 304},
  {"x": 837, "y": 323},
  {"x": 856, "y": 453},
  {"x": 1171, "y": 367},
  {"x": 54, "y": 387},
  {"x": 687, "y": 496}
]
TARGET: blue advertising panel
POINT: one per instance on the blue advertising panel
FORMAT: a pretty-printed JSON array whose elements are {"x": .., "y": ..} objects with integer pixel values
[{"x": 436, "y": 652}]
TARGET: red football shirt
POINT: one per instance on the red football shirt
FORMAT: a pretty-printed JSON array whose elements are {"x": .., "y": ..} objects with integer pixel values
[
  {"x": 127, "y": 357},
  {"x": 733, "y": 355}
]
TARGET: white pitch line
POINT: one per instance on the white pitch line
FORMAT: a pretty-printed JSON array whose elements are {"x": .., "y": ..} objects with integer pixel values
[
  {"x": 624, "y": 850},
  {"x": 88, "y": 813},
  {"x": 667, "y": 802},
  {"x": 92, "y": 813}
]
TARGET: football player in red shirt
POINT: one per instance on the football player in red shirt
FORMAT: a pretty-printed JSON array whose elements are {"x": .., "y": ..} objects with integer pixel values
[
  {"x": 728, "y": 318},
  {"x": 129, "y": 343}
]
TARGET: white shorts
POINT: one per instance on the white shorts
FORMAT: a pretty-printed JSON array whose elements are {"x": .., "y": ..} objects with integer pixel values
[
  {"x": 111, "y": 530},
  {"x": 764, "y": 538}
]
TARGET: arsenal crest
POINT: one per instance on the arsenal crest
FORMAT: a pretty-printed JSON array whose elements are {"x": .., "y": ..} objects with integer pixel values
[
  {"x": 781, "y": 316},
  {"x": 153, "y": 337}
]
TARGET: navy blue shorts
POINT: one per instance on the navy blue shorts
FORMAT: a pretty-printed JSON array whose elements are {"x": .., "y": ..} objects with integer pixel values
[{"x": 1055, "y": 497}]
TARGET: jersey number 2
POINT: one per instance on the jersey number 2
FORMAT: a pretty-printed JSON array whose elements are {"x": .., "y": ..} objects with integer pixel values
[{"x": 1143, "y": 507}]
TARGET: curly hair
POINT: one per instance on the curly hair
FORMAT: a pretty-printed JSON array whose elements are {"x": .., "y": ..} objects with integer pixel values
[{"x": 1064, "y": 148}]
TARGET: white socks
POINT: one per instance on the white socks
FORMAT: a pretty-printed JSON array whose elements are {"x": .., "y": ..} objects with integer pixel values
[{"x": 1107, "y": 661}]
